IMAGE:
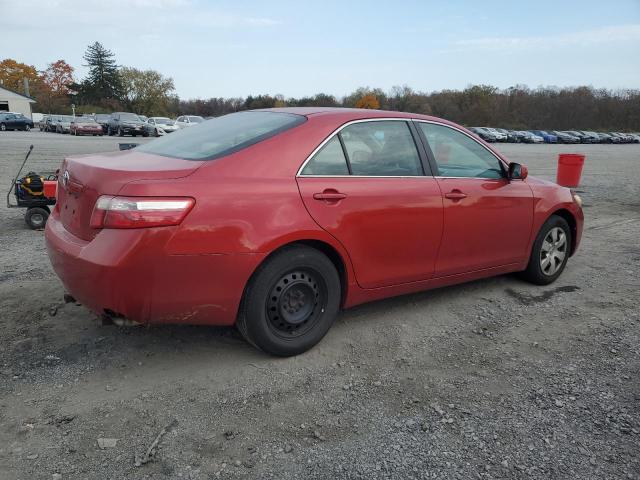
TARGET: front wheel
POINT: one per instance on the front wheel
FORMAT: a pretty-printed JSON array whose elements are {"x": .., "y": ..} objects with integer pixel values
[
  {"x": 290, "y": 302},
  {"x": 550, "y": 252}
]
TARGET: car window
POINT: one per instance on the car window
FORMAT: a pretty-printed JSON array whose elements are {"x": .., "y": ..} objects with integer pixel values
[
  {"x": 458, "y": 155},
  {"x": 329, "y": 160},
  {"x": 223, "y": 135},
  {"x": 382, "y": 149}
]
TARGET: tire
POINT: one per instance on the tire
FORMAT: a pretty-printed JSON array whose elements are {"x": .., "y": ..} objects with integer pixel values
[
  {"x": 155, "y": 132},
  {"x": 120, "y": 132},
  {"x": 550, "y": 252},
  {"x": 145, "y": 134},
  {"x": 36, "y": 218},
  {"x": 27, "y": 128},
  {"x": 3, "y": 127},
  {"x": 290, "y": 302}
]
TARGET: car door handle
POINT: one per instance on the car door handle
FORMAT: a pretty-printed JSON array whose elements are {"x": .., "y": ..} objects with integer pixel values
[
  {"x": 330, "y": 195},
  {"x": 455, "y": 195}
]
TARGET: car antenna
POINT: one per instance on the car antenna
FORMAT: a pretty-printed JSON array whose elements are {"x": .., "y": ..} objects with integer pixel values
[{"x": 13, "y": 184}]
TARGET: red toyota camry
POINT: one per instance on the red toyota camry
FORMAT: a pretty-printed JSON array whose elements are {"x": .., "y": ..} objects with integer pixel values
[{"x": 274, "y": 220}]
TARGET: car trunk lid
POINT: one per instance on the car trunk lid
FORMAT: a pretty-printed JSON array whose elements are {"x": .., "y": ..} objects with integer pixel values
[{"x": 83, "y": 179}]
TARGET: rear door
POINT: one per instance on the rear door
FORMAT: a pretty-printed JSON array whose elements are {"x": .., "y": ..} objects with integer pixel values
[
  {"x": 487, "y": 218},
  {"x": 367, "y": 187}
]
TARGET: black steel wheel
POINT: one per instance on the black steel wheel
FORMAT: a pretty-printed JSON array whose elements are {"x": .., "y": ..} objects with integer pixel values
[
  {"x": 296, "y": 302},
  {"x": 290, "y": 302}
]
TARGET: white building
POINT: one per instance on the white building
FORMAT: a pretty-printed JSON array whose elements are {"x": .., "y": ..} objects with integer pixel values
[{"x": 11, "y": 101}]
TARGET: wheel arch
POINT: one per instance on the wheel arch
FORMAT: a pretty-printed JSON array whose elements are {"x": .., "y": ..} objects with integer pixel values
[{"x": 336, "y": 257}]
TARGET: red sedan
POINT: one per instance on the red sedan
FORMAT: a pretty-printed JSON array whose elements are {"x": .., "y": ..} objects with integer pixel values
[
  {"x": 274, "y": 220},
  {"x": 85, "y": 126}
]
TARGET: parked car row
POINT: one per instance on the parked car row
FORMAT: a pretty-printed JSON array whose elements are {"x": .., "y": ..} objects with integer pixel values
[
  {"x": 117, "y": 123},
  {"x": 490, "y": 134}
]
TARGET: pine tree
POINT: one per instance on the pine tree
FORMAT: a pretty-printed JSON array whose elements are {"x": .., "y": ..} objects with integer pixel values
[{"x": 103, "y": 81}]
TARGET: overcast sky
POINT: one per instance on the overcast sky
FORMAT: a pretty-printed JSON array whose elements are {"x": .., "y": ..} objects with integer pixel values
[{"x": 295, "y": 48}]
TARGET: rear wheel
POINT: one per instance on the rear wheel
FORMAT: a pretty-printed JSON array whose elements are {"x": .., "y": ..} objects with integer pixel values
[
  {"x": 291, "y": 301},
  {"x": 36, "y": 218},
  {"x": 3, "y": 127},
  {"x": 550, "y": 252}
]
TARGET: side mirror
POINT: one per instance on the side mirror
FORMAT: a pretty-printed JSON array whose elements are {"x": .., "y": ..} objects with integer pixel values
[{"x": 517, "y": 171}]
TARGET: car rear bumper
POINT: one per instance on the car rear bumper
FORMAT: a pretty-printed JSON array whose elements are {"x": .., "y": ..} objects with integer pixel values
[{"x": 128, "y": 273}]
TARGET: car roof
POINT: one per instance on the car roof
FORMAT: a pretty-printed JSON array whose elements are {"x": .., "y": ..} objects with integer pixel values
[{"x": 349, "y": 114}]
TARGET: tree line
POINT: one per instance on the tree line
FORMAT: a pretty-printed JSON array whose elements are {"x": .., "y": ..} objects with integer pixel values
[{"x": 110, "y": 87}]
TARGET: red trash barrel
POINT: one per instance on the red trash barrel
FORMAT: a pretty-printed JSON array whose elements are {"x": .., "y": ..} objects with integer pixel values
[
  {"x": 50, "y": 187},
  {"x": 569, "y": 169}
]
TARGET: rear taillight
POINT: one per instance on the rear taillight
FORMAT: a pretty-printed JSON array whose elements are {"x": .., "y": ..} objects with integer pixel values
[{"x": 140, "y": 212}]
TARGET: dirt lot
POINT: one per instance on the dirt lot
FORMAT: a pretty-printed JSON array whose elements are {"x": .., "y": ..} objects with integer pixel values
[{"x": 491, "y": 379}]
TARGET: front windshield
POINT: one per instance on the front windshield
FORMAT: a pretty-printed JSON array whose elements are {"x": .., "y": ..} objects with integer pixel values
[
  {"x": 163, "y": 120},
  {"x": 196, "y": 119}
]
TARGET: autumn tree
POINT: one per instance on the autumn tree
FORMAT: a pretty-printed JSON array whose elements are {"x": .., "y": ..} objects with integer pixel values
[
  {"x": 54, "y": 87},
  {"x": 368, "y": 101},
  {"x": 352, "y": 99},
  {"x": 58, "y": 77},
  {"x": 145, "y": 92},
  {"x": 13, "y": 73}
]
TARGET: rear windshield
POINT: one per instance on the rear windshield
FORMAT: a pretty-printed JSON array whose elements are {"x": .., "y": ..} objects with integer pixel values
[{"x": 222, "y": 136}]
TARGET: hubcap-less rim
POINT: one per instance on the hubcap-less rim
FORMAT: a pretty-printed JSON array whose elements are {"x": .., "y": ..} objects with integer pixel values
[
  {"x": 553, "y": 251},
  {"x": 295, "y": 303}
]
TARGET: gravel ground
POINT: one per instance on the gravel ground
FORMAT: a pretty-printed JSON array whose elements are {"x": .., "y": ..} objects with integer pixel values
[{"x": 491, "y": 379}]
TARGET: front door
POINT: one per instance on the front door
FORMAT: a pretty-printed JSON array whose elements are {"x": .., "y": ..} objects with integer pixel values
[
  {"x": 487, "y": 218},
  {"x": 366, "y": 186}
]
